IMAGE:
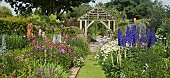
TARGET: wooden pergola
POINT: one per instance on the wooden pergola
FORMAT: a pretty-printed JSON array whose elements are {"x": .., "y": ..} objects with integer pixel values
[{"x": 96, "y": 14}]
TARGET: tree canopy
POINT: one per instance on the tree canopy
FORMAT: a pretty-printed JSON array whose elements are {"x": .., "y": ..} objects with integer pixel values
[
  {"x": 47, "y": 6},
  {"x": 79, "y": 11},
  {"x": 4, "y": 11},
  {"x": 132, "y": 8}
]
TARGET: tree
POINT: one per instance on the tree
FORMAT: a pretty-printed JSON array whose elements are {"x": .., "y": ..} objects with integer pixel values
[
  {"x": 4, "y": 11},
  {"x": 132, "y": 8},
  {"x": 79, "y": 11},
  {"x": 47, "y": 6},
  {"x": 158, "y": 14},
  {"x": 168, "y": 10}
]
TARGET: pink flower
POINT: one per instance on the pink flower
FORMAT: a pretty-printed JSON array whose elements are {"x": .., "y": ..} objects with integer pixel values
[
  {"x": 62, "y": 50},
  {"x": 72, "y": 38},
  {"x": 52, "y": 26},
  {"x": 18, "y": 57}
]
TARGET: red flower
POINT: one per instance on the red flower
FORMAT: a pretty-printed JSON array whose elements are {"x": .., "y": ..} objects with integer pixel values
[
  {"x": 33, "y": 42},
  {"x": 51, "y": 44}
]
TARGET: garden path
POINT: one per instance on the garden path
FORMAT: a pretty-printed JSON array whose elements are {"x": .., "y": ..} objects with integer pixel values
[{"x": 91, "y": 69}]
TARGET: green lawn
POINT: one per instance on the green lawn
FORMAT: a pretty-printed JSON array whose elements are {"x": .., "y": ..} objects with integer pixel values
[{"x": 91, "y": 69}]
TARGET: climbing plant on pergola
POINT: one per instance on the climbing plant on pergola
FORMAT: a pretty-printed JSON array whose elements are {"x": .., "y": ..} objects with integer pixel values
[{"x": 96, "y": 14}]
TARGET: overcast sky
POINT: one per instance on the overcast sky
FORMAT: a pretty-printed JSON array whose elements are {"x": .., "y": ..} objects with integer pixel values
[{"x": 167, "y": 2}]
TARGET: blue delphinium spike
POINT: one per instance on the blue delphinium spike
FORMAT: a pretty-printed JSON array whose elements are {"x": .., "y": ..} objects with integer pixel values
[
  {"x": 143, "y": 38},
  {"x": 124, "y": 41},
  {"x": 149, "y": 38},
  {"x": 119, "y": 37},
  {"x": 153, "y": 40},
  {"x": 128, "y": 36},
  {"x": 134, "y": 35}
]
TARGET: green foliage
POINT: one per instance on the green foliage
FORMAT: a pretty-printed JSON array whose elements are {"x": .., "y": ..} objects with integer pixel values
[
  {"x": 80, "y": 55},
  {"x": 44, "y": 59},
  {"x": 17, "y": 25},
  {"x": 50, "y": 70},
  {"x": 14, "y": 41},
  {"x": 133, "y": 8},
  {"x": 21, "y": 64},
  {"x": 79, "y": 11},
  {"x": 158, "y": 15},
  {"x": 122, "y": 25},
  {"x": 168, "y": 11},
  {"x": 44, "y": 21},
  {"x": 164, "y": 28},
  {"x": 139, "y": 62},
  {"x": 81, "y": 49},
  {"x": 80, "y": 44},
  {"x": 48, "y": 7},
  {"x": 72, "y": 31},
  {"x": 92, "y": 31},
  {"x": 13, "y": 24},
  {"x": 4, "y": 11}
]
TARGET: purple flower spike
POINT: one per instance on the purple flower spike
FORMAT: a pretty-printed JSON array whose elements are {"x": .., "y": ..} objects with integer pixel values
[
  {"x": 143, "y": 38},
  {"x": 120, "y": 37},
  {"x": 134, "y": 35},
  {"x": 153, "y": 39},
  {"x": 124, "y": 41},
  {"x": 149, "y": 33},
  {"x": 128, "y": 36}
]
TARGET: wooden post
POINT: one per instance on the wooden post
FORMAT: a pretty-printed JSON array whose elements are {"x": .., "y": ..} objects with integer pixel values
[
  {"x": 85, "y": 28},
  {"x": 114, "y": 28},
  {"x": 109, "y": 24},
  {"x": 80, "y": 24}
]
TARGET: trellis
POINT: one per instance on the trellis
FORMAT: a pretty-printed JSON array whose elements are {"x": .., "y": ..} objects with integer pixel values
[{"x": 96, "y": 14}]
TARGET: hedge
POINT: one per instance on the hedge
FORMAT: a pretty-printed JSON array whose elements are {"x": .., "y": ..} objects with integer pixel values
[{"x": 13, "y": 24}]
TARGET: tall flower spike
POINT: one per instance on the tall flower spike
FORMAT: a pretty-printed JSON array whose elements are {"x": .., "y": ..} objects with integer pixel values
[
  {"x": 149, "y": 38},
  {"x": 128, "y": 36},
  {"x": 134, "y": 35},
  {"x": 124, "y": 41},
  {"x": 153, "y": 40},
  {"x": 119, "y": 37},
  {"x": 143, "y": 38}
]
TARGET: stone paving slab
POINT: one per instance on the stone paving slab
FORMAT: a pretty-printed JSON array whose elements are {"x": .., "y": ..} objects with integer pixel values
[{"x": 74, "y": 72}]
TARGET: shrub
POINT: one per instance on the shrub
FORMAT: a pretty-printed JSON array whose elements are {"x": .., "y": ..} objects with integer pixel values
[
  {"x": 83, "y": 44},
  {"x": 4, "y": 11},
  {"x": 78, "y": 61},
  {"x": 80, "y": 49},
  {"x": 13, "y": 24},
  {"x": 72, "y": 31}
]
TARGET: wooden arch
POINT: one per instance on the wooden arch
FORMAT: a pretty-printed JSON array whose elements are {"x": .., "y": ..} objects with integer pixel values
[{"x": 96, "y": 14}]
